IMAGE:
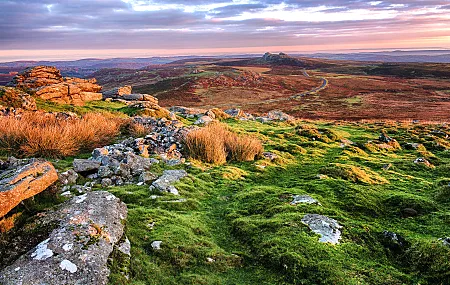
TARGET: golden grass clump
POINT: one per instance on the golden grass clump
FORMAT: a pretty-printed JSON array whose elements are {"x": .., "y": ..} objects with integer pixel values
[
  {"x": 45, "y": 135},
  {"x": 138, "y": 130},
  {"x": 216, "y": 144}
]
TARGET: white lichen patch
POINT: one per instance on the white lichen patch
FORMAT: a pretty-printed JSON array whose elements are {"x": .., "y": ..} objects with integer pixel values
[
  {"x": 68, "y": 246},
  {"x": 81, "y": 198},
  {"x": 42, "y": 252},
  {"x": 69, "y": 266}
]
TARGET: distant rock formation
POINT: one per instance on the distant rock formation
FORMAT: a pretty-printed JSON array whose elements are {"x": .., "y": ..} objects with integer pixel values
[
  {"x": 47, "y": 83},
  {"x": 281, "y": 59}
]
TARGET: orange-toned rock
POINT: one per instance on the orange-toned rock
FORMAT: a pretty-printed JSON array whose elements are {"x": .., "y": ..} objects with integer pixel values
[
  {"x": 48, "y": 84},
  {"x": 24, "y": 182}
]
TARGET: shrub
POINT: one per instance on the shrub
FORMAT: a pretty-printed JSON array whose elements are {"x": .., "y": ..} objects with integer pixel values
[
  {"x": 207, "y": 144},
  {"x": 45, "y": 135},
  {"x": 137, "y": 130},
  {"x": 216, "y": 144},
  {"x": 242, "y": 148}
]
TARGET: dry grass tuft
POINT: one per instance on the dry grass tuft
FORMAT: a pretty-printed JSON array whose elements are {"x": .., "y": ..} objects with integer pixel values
[
  {"x": 44, "y": 135},
  {"x": 138, "y": 130},
  {"x": 216, "y": 144}
]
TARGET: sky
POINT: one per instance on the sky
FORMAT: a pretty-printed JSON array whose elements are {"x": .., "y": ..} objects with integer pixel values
[{"x": 63, "y": 29}]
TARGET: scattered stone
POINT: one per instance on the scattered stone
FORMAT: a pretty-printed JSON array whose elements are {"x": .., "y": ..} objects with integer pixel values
[
  {"x": 277, "y": 115},
  {"x": 18, "y": 183},
  {"x": 77, "y": 251},
  {"x": 409, "y": 212},
  {"x": 413, "y": 145},
  {"x": 125, "y": 247},
  {"x": 69, "y": 177},
  {"x": 270, "y": 156},
  {"x": 393, "y": 241},
  {"x": 156, "y": 245},
  {"x": 326, "y": 227},
  {"x": 106, "y": 182},
  {"x": 385, "y": 138},
  {"x": 445, "y": 241},
  {"x": 147, "y": 177},
  {"x": 423, "y": 161},
  {"x": 204, "y": 120},
  {"x": 299, "y": 199},
  {"x": 387, "y": 166},
  {"x": 85, "y": 166},
  {"x": 169, "y": 177}
]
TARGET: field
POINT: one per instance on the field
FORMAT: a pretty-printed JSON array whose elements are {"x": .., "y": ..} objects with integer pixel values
[
  {"x": 391, "y": 92},
  {"x": 237, "y": 225}
]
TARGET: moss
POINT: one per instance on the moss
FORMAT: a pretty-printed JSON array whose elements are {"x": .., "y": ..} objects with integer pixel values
[{"x": 353, "y": 173}]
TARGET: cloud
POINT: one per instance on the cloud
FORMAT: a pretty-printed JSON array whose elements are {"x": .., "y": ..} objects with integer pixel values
[{"x": 177, "y": 24}]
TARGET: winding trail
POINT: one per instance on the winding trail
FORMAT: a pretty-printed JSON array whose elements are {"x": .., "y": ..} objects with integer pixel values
[{"x": 314, "y": 90}]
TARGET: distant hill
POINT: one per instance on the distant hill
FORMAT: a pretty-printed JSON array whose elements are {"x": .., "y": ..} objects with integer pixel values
[{"x": 427, "y": 56}]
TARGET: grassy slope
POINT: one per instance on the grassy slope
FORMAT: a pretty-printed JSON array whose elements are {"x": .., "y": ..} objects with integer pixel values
[{"x": 239, "y": 214}]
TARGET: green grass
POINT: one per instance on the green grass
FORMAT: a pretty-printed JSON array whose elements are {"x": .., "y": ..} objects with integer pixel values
[
  {"x": 239, "y": 214},
  {"x": 92, "y": 106}
]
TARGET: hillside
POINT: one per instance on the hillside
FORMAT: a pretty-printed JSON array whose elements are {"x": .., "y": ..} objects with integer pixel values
[{"x": 112, "y": 187}]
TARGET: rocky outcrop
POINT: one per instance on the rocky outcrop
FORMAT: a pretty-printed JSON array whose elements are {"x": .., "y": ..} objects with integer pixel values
[
  {"x": 48, "y": 84},
  {"x": 15, "y": 98},
  {"x": 77, "y": 251},
  {"x": 35, "y": 77},
  {"x": 117, "y": 92},
  {"x": 23, "y": 182}
]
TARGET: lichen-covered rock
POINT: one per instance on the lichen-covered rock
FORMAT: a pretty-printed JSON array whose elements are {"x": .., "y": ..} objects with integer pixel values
[
  {"x": 166, "y": 181},
  {"x": 304, "y": 199},
  {"x": 326, "y": 227},
  {"x": 18, "y": 184},
  {"x": 85, "y": 166},
  {"x": 77, "y": 251}
]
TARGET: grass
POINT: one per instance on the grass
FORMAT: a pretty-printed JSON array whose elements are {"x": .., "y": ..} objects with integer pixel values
[
  {"x": 216, "y": 144},
  {"x": 44, "y": 135},
  {"x": 237, "y": 225}
]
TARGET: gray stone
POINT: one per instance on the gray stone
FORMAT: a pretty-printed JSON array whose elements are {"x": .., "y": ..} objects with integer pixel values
[
  {"x": 125, "y": 247},
  {"x": 106, "y": 182},
  {"x": 68, "y": 177},
  {"x": 99, "y": 152},
  {"x": 169, "y": 177},
  {"x": 77, "y": 251},
  {"x": 445, "y": 241},
  {"x": 326, "y": 227},
  {"x": 85, "y": 166},
  {"x": 156, "y": 245},
  {"x": 299, "y": 199},
  {"x": 203, "y": 120},
  {"x": 104, "y": 171},
  {"x": 269, "y": 155},
  {"x": 147, "y": 177}
]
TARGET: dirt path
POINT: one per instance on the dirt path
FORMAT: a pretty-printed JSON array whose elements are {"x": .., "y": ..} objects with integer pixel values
[{"x": 314, "y": 90}]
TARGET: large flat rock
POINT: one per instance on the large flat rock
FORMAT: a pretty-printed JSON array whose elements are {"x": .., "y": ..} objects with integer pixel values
[
  {"x": 21, "y": 183},
  {"x": 76, "y": 252}
]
